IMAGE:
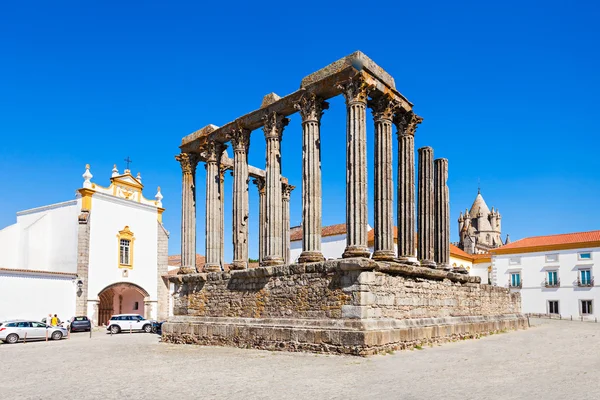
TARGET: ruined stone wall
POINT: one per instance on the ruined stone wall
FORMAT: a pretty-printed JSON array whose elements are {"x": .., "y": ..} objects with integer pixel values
[
  {"x": 287, "y": 292},
  {"x": 327, "y": 290},
  {"x": 399, "y": 297}
]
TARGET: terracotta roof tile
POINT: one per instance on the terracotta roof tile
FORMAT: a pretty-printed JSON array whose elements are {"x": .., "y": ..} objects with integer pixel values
[
  {"x": 175, "y": 260},
  {"x": 570, "y": 240},
  {"x": 331, "y": 230}
]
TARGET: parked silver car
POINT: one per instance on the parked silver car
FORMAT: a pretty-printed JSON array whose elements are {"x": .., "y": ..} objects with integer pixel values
[{"x": 13, "y": 331}]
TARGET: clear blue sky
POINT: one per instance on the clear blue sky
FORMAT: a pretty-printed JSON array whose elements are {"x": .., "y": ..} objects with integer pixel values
[{"x": 509, "y": 93}]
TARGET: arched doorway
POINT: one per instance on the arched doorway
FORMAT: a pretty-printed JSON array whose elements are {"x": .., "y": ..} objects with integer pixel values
[{"x": 120, "y": 298}]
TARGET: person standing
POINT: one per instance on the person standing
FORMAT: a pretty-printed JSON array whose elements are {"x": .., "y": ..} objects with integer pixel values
[{"x": 54, "y": 321}]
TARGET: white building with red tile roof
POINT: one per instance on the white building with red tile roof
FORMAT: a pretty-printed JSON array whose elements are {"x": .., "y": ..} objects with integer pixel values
[{"x": 554, "y": 273}]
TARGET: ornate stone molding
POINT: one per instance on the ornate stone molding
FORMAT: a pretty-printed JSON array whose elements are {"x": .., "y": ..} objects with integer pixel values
[
  {"x": 213, "y": 151},
  {"x": 188, "y": 162},
  {"x": 273, "y": 125},
  {"x": 311, "y": 107},
  {"x": 260, "y": 185},
  {"x": 286, "y": 191},
  {"x": 240, "y": 139},
  {"x": 413, "y": 122},
  {"x": 383, "y": 108},
  {"x": 356, "y": 90},
  {"x": 406, "y": 122}
]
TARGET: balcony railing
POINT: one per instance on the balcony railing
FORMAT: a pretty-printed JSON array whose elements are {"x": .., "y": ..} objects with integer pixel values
[
  {"x": 552, "y": 284},
  {"x": 585, "y": 282},
  {"x": 518, "y": 285}
]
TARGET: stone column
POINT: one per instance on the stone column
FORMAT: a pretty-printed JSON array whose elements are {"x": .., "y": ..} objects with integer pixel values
[
  {"x": 425, "y": 251},
  {"x": 262, "y": 216},
  {"x": 188, "y": 162},
  {"x": 273, "y": 128},
  {"x": 355, "y": 93},
  {"x": 213, "y": 218},
  {"x": 406, "y": 124},
  {"x": 223, "y": 170},
  {"x": 285, "y": 207},
  {"x": 311, "y": 108},
  {"x": 442, "y": 214},
  {"x": 382, "y": 108},
  {"x": 241, "y": 141}
]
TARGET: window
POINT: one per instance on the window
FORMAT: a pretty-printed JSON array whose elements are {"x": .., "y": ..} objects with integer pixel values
[
  {"x": 124, "y": 252},
  {"x": 515, "y": 280},
  {"x": 551, "y": 258},
  {"x": 586, "y": 307},
  {"x": 125, "y": 241},
  {"x": 514, "y": 261},
  {"x": 23, "y": 324},
  {"x": 585, "y": 277},
  {"x": 552, "y": 279},
  {"x": 38, "y": 325},
  {"x": 553, "y": 307},
  {"x": 136, "y": 305},
  {"x": 584, "y": 256}
]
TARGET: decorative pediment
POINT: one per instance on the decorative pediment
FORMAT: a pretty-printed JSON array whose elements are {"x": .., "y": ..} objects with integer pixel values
[{"x": 128, "y": 180}]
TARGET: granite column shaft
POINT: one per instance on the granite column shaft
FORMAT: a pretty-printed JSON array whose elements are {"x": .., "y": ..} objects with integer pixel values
[
  {"x": 188, "y": 163},
  {"x": 355, "y": 93},
  {"x": 273, "y": 128},
  {"x": 240, "y": 141},
  {"x": 311, "y": 108},
  {"x": 442, "y": 214},
  {"x": 213, "y": 215},
  {"x": 382, "y": 108},
  {"x": 425, "y": 251},
  {"x": 406, "y": 124}
]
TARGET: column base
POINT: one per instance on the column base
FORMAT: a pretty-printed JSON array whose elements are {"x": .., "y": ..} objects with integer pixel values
[
  {"x": 238, "y": 265},
  {"x": 384, "y": 255},
  {"x": 356, "y": 251},
  {"x": 462, "y": 270},
  {"x": 310, "y": 256},
  {"x": 428, "y": 263},
  {"x": 445, "y": 267},
  {"x": 270, "y": 261},
  {"x": 410, "y": 260},
  {"x": 212, "y": 268},
  {"x": 186, "y": 270}
]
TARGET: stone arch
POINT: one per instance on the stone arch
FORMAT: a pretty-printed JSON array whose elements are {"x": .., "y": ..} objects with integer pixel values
[{"x": 121, "y": 298}]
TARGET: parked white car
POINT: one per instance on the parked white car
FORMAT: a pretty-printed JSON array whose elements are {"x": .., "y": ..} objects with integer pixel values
[
  {"x": 14, "y": 331},
  {"x": 127, "y": 322}
]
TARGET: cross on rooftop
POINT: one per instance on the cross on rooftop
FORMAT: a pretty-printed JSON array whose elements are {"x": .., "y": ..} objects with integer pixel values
[{"x": 128, "y": 161}]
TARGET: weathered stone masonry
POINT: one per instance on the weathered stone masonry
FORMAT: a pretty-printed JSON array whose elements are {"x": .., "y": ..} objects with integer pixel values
[{"x": 360, "y": 304}]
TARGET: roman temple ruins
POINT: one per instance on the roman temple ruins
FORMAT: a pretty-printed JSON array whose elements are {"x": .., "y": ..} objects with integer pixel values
[{"x": 362, "y": 303}]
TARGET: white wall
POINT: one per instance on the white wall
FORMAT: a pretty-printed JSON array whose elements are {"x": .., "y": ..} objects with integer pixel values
[
  {"x": 480, "y": 270},
  {"x": 108, "y": 216},
  {"x": 34, "y": 296},
  {"x": 46, "y": 239},
  {"x": 534, "y": 268},
  {"x": 9, "y": 246}
]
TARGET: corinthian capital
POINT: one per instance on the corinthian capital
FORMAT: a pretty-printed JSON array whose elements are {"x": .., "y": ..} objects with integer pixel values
[
  {"x": 383, "y": 107},
  {"x": 414, "y": 121},
  {"x": 274, "y": 124},
  {"x": 286, "y": 190},
  {"x": 240, "y": 139},
  {"x": 260, "y": 185},
  {"x": 188, "y": 162},
  {"x": 311, "y": 107},
  {"x": 406, "y": 122},
  {"x": 213, "y": 150},
  {"x": 356, "y": 90}
]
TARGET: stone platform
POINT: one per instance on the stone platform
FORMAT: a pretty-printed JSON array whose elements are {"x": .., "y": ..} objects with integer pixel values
[{"x": 351, "y": 306}]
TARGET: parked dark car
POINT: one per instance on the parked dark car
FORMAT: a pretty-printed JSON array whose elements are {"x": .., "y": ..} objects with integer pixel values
[
  {"x": 157, "y": 327},
  {"x": 80, "y": 324}
]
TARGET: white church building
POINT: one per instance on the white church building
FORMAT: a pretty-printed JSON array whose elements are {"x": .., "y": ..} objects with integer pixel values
[{"x": 103, "y": 253}]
